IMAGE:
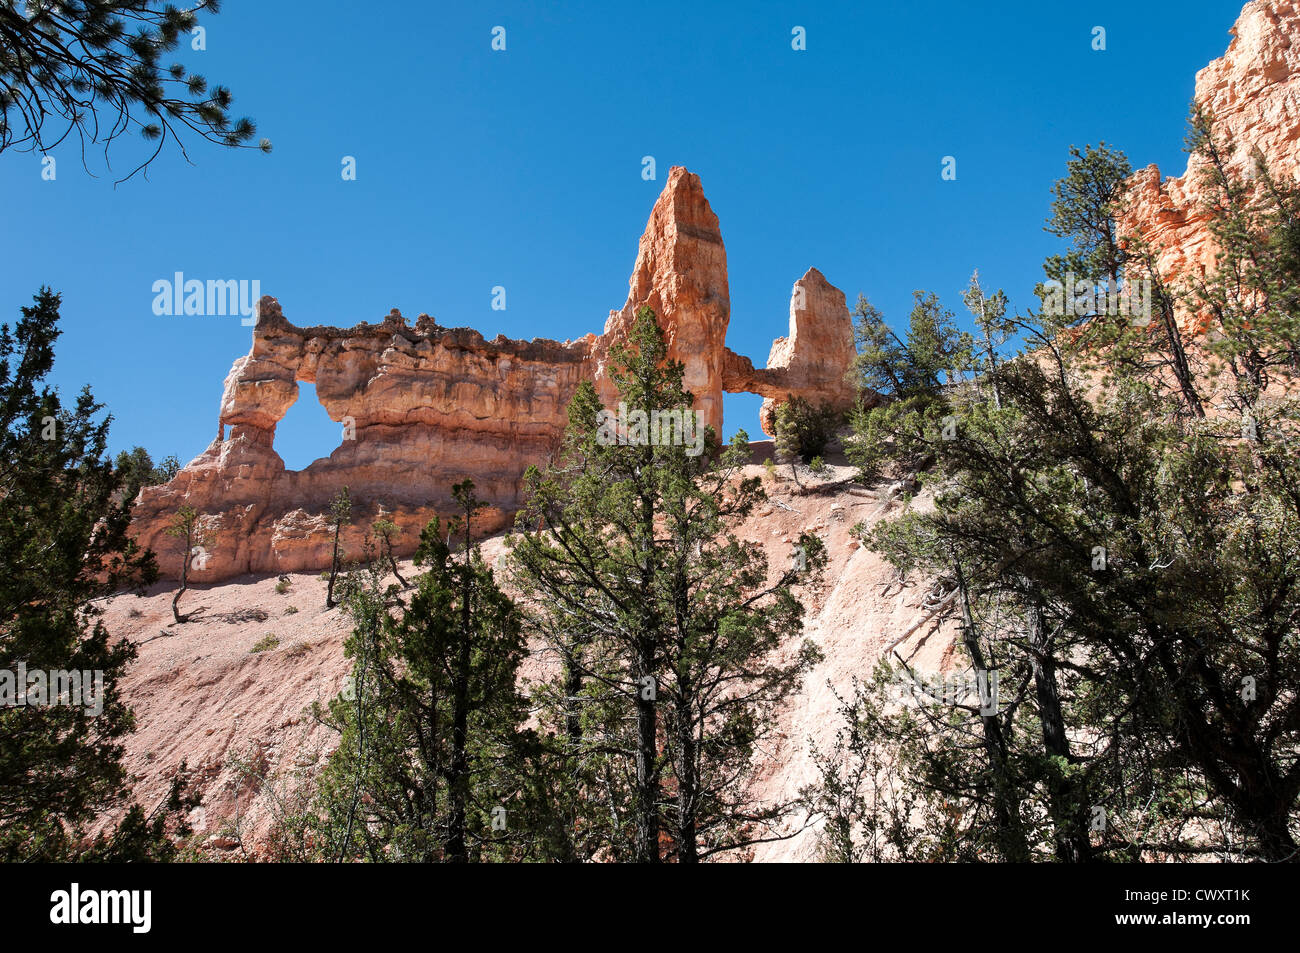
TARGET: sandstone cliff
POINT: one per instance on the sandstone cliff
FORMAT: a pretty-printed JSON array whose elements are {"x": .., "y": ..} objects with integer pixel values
[{"x": 1253, "y": 92}]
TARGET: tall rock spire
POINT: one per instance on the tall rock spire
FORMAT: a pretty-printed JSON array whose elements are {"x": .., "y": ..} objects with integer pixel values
[{"x": 681, "y": 272}]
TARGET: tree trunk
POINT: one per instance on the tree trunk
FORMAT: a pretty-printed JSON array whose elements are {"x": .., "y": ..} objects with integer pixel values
[
  {"x": 392, "y": 564},
  {"x": 647, "y": 773},
  {"x": 185, "y": 575},
  {"x": 1177, "y": 352},
  {"x": 458, "y": 780},
  {"x": 1011, "y": 837},
  {"x": 573, "y": 685},
  {"x": 334, "y": 568},
  {"x": 687, "y": 778},
  {"x": 1067, "y": 807},
  {"x": 646, "y": 847}
]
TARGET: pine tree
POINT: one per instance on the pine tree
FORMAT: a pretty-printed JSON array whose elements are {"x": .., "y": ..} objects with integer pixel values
[
  {"x": 995, "y": 328},
  {"x": 663, "y": 622},
  {"x": 137, "y": 470},
  {"x": 1089, "y": 210},
  {"x": 1250, "y": 301},
  {"x": 64, "y": 545},
  {"x": 1115, "y": 545},
  {"x": 433, "y": 762},
  {"x": 94, "y": 68},
  {"x": 914, "y": 378},
  {"x": 1088, "y": 205},
  {"x": 1128, "y": 569}
]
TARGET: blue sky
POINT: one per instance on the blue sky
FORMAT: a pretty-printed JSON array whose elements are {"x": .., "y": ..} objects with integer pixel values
[{"x": 522, "y": 169}]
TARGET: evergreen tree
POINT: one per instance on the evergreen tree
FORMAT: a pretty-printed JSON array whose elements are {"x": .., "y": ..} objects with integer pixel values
[
  {"x": 433, "y": 759},
  {"x": 995, "y": 331},
  {"x": 64, "y": 545},
  {"x": 185, "y": 528},
  {"x": 385, "y": 531},
  {"x": 1089, "y": 210},
  {"x": 1250, "y": 302},
  {"x": 95, "y": 68},
  {"x": 1127, "y": 567},
  {"x": 663, "y": 622},
  {"x": 804, "y": 429},
  {"x": 137, "y": 470},
  {"x": 1139, "y": 592},
  {"x": 913, "y": 376},
  {"x": 340, "y": 516}
]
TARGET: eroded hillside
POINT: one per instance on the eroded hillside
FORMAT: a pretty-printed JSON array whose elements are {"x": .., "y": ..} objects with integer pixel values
[{"x": 241, "y": 720}]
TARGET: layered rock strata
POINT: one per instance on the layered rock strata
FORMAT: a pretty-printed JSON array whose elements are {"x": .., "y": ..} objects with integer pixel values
[{"x": 422, "y": 407}]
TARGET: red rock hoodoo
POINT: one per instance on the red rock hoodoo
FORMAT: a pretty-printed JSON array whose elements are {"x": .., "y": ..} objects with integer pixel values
[{"x": 424, "y": 407}]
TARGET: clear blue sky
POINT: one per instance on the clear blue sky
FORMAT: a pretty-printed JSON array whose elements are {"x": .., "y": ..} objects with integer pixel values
[{"x": 523, "y": 169}]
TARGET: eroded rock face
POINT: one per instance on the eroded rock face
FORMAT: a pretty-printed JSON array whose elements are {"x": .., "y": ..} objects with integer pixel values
[
  {"x": 1253, "y": 92},
  {"x": 681, "y": 272},
  {"x": 812, "y": 362},
  {"x": 422, "y": 408}
]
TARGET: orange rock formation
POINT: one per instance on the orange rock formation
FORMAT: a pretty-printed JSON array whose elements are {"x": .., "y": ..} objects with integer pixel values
[
  {"x": 1253, "y": 93},
  {"x": 424, "y": 407}
]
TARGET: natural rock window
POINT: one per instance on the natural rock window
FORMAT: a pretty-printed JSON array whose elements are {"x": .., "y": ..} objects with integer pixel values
[{"x": 306, "y": 433}]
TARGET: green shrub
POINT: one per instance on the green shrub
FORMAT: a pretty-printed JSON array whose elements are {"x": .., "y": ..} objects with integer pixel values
[
  {"x": 804, "y": 431},
  {"x": 265, "y": 643}
]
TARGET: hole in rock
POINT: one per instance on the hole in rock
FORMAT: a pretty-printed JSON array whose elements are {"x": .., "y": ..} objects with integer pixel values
[
  {"x": 740, "y": 412},
  {"x": 306, "y": 433}
]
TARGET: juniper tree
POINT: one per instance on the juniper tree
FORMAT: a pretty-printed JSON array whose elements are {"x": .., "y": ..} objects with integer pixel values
[
  {"x": 98, "y": 68},
  {"x": 804, "y": 429},
  {"x": 1130, "y": 571},
  {"x": 1006, "y": 780},
  {"x": 1120, "y": 549},
  {"x": 911, "y": 782},
  {"x": 664, "y": 623},
  {"x": 64, "y": 545},
  {"x": 913, "y": 376}
]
